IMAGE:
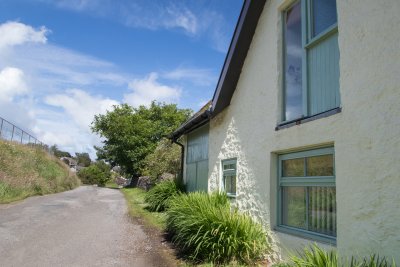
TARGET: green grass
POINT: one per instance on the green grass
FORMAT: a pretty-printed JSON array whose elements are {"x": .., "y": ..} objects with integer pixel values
[
  {"x": 138, "y": 208},
  {"x": 26, "y": 171},
  {"x": 314, "y": 256},
  {"x": 111, "y": 184}
]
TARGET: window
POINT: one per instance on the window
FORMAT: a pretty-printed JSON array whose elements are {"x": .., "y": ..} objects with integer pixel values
[
  {"x": 229, "y": 176},
  {"x": 307, "y": 194},
  {"x": 311, "y": 59}
]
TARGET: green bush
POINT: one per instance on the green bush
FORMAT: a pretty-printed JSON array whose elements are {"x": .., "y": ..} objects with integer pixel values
[
  {"x": 97, "y": 173},
  {"x": 159, "y": 196},
  {"x": 314, "y": 256},
  {"x": 165, "y": 158},
  {"x": 206, "y": 229}
]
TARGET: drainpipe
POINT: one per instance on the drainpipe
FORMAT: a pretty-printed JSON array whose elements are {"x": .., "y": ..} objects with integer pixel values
[{"x": 182, "y": 158}]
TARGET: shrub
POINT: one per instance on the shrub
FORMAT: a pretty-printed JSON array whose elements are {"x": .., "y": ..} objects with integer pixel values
[
  {"x": 165, "y": 158},
  {"x": 159, "y": 196},
  {"x": 98, "y": 173},
  {"x": 314, "y": 256},
  {"x": 206, "y": 229}
]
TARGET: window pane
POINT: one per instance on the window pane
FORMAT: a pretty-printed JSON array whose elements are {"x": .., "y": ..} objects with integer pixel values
[
  {"x": 293, "y": 62},
  {"x": 324, "y": 12},
  {"x": 293, "y": 167},
  {"x": 320, "y": 166},
  {"x": 230, "y": 184},
  {"x": 322, "y": 210},
  {"x": 294, "y": 207},
  {"x": 229, "y": 167}
]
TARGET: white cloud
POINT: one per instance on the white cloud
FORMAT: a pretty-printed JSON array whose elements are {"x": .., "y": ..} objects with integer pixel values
[
  {"x": 192, "y": 17},
  {"x": 16, "y": 33},
  {"x": 80, "y": 106},
  {"x": 148, "y": 89},
  {"x": 70, "y": 127},
  {"x": 203, "y": 77},
  {"x": 12, "y": 83},
  {"x": 183, "y": 18}
]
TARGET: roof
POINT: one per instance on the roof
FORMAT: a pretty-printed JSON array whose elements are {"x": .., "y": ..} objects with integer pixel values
[
  {"x": 198, "y": 119},
  {"x": 230, "y": 73},
  {"x": 240, "y": 44}
]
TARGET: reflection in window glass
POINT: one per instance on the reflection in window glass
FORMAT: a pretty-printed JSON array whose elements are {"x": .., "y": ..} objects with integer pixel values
[
  {"x": 320, "y": 166},
  {"x": 294, "y": 207},
  {"x": 229, "y": 166},
  {"x": 293, "y": 62},
  {"x": 230, "y": 184},
  {"x": 324, "y": 13},
  {"x": 293, "y": 167}
]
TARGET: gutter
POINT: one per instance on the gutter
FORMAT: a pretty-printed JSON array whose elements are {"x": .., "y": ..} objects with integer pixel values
[{"x": 192, "y": 124}]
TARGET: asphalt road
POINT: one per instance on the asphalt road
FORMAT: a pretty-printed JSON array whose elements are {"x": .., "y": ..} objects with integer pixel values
[{"x": 88, "y": 226}]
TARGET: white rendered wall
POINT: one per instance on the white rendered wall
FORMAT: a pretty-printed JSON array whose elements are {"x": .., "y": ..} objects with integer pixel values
[{"x": 365, "y": 135}]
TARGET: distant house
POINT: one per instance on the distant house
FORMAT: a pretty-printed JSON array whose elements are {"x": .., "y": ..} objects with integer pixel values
[
  {"x": 303, "y": 130},
  {"x": 72, "y": 163}
]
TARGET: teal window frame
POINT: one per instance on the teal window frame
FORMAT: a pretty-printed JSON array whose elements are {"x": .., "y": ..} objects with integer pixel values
[
  {"x": 303, "y": 181},
  {"x": 308, "y": 42},
  {"x": 229, "y": 172}
]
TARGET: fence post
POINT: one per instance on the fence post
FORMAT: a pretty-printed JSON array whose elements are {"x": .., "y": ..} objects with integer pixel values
[
  {"x": 1, "y": 127},
  {"x": 22, "y": 135},
  {"x": 12, "y": 135}
]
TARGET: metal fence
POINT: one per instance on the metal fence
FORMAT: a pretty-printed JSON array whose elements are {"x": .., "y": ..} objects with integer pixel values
[{"x": 11, "y": 132}]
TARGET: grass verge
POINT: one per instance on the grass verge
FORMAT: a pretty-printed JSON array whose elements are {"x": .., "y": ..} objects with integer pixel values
[
  {"x": 138, "y": 208},
  {"x": 27, "y": 171}
]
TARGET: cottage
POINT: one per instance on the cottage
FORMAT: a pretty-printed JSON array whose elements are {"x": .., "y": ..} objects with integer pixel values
[{"x": 303, "y": 130}]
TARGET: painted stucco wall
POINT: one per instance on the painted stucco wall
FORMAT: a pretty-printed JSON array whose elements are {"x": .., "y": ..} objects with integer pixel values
[{"x": 365, "y": 135}]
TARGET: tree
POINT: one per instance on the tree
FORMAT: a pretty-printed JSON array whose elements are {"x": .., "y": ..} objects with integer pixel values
[
  {"x": 83, "y": 159},
  {"x": 133, "y": 133},
  {"x": 58, "y": 153},
  {"x": 165, "y": 158}
]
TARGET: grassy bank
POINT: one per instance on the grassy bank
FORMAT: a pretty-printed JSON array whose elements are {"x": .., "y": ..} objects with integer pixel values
[{"x": 26, "y": 171}]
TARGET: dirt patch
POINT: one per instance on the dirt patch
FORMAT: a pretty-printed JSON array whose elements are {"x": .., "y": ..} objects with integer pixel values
[{"x": 157, "y": 249}]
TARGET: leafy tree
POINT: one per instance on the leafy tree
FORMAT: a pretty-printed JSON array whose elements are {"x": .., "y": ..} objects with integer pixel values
[
  {"x": 133, "y": 133},
  {"x": 165, "y": 158},
  {"x": 83, "y": 159},
  {"x": 97, "y": 173},
  {"x": 58, "y": 153}
]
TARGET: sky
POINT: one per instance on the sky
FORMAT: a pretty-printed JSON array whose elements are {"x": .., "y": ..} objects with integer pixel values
[{"x": 64, "y": 61}]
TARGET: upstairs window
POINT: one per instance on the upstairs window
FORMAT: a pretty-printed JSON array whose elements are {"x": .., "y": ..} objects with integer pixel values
[{"x": 311, "y": 59}]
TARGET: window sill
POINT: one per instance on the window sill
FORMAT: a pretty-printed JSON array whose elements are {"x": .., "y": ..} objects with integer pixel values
[
  {"x": 231, "y": 195},
  {"x": 287, "y": 124},
  {"x": 306, "y": 234}
]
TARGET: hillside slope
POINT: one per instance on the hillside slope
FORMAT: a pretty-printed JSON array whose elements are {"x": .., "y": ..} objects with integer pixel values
[{"x": 27, "y": 171}]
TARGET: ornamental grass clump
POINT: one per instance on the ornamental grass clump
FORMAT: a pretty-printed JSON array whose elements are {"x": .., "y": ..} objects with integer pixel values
[
  {"x": 207, "y": 230},
  {"x": 159, "y": 196},
  {"x": 314, "y": 256}
]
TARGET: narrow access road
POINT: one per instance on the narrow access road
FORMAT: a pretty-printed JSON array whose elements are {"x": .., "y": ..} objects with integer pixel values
[{"x": 88, "y": 226}]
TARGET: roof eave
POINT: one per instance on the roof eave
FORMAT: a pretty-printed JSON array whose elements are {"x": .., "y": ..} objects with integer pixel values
[{"x": 240, "y": 44}]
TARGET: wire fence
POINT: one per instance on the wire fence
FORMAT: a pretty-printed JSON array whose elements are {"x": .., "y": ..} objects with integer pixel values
[{"x": 11, "y": 132}]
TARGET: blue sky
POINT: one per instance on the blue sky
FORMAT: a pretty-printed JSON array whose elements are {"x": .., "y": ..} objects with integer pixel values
[{"x": 62, "y": 61}]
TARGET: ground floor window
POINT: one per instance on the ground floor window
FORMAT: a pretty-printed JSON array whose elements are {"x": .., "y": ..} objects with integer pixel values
[
  {"x": 307, "y": 193},
  {"x": 229, "y": 176}
]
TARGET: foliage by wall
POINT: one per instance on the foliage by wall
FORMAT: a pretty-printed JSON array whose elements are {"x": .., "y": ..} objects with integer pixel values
[{"x": 131, "y": 134}]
